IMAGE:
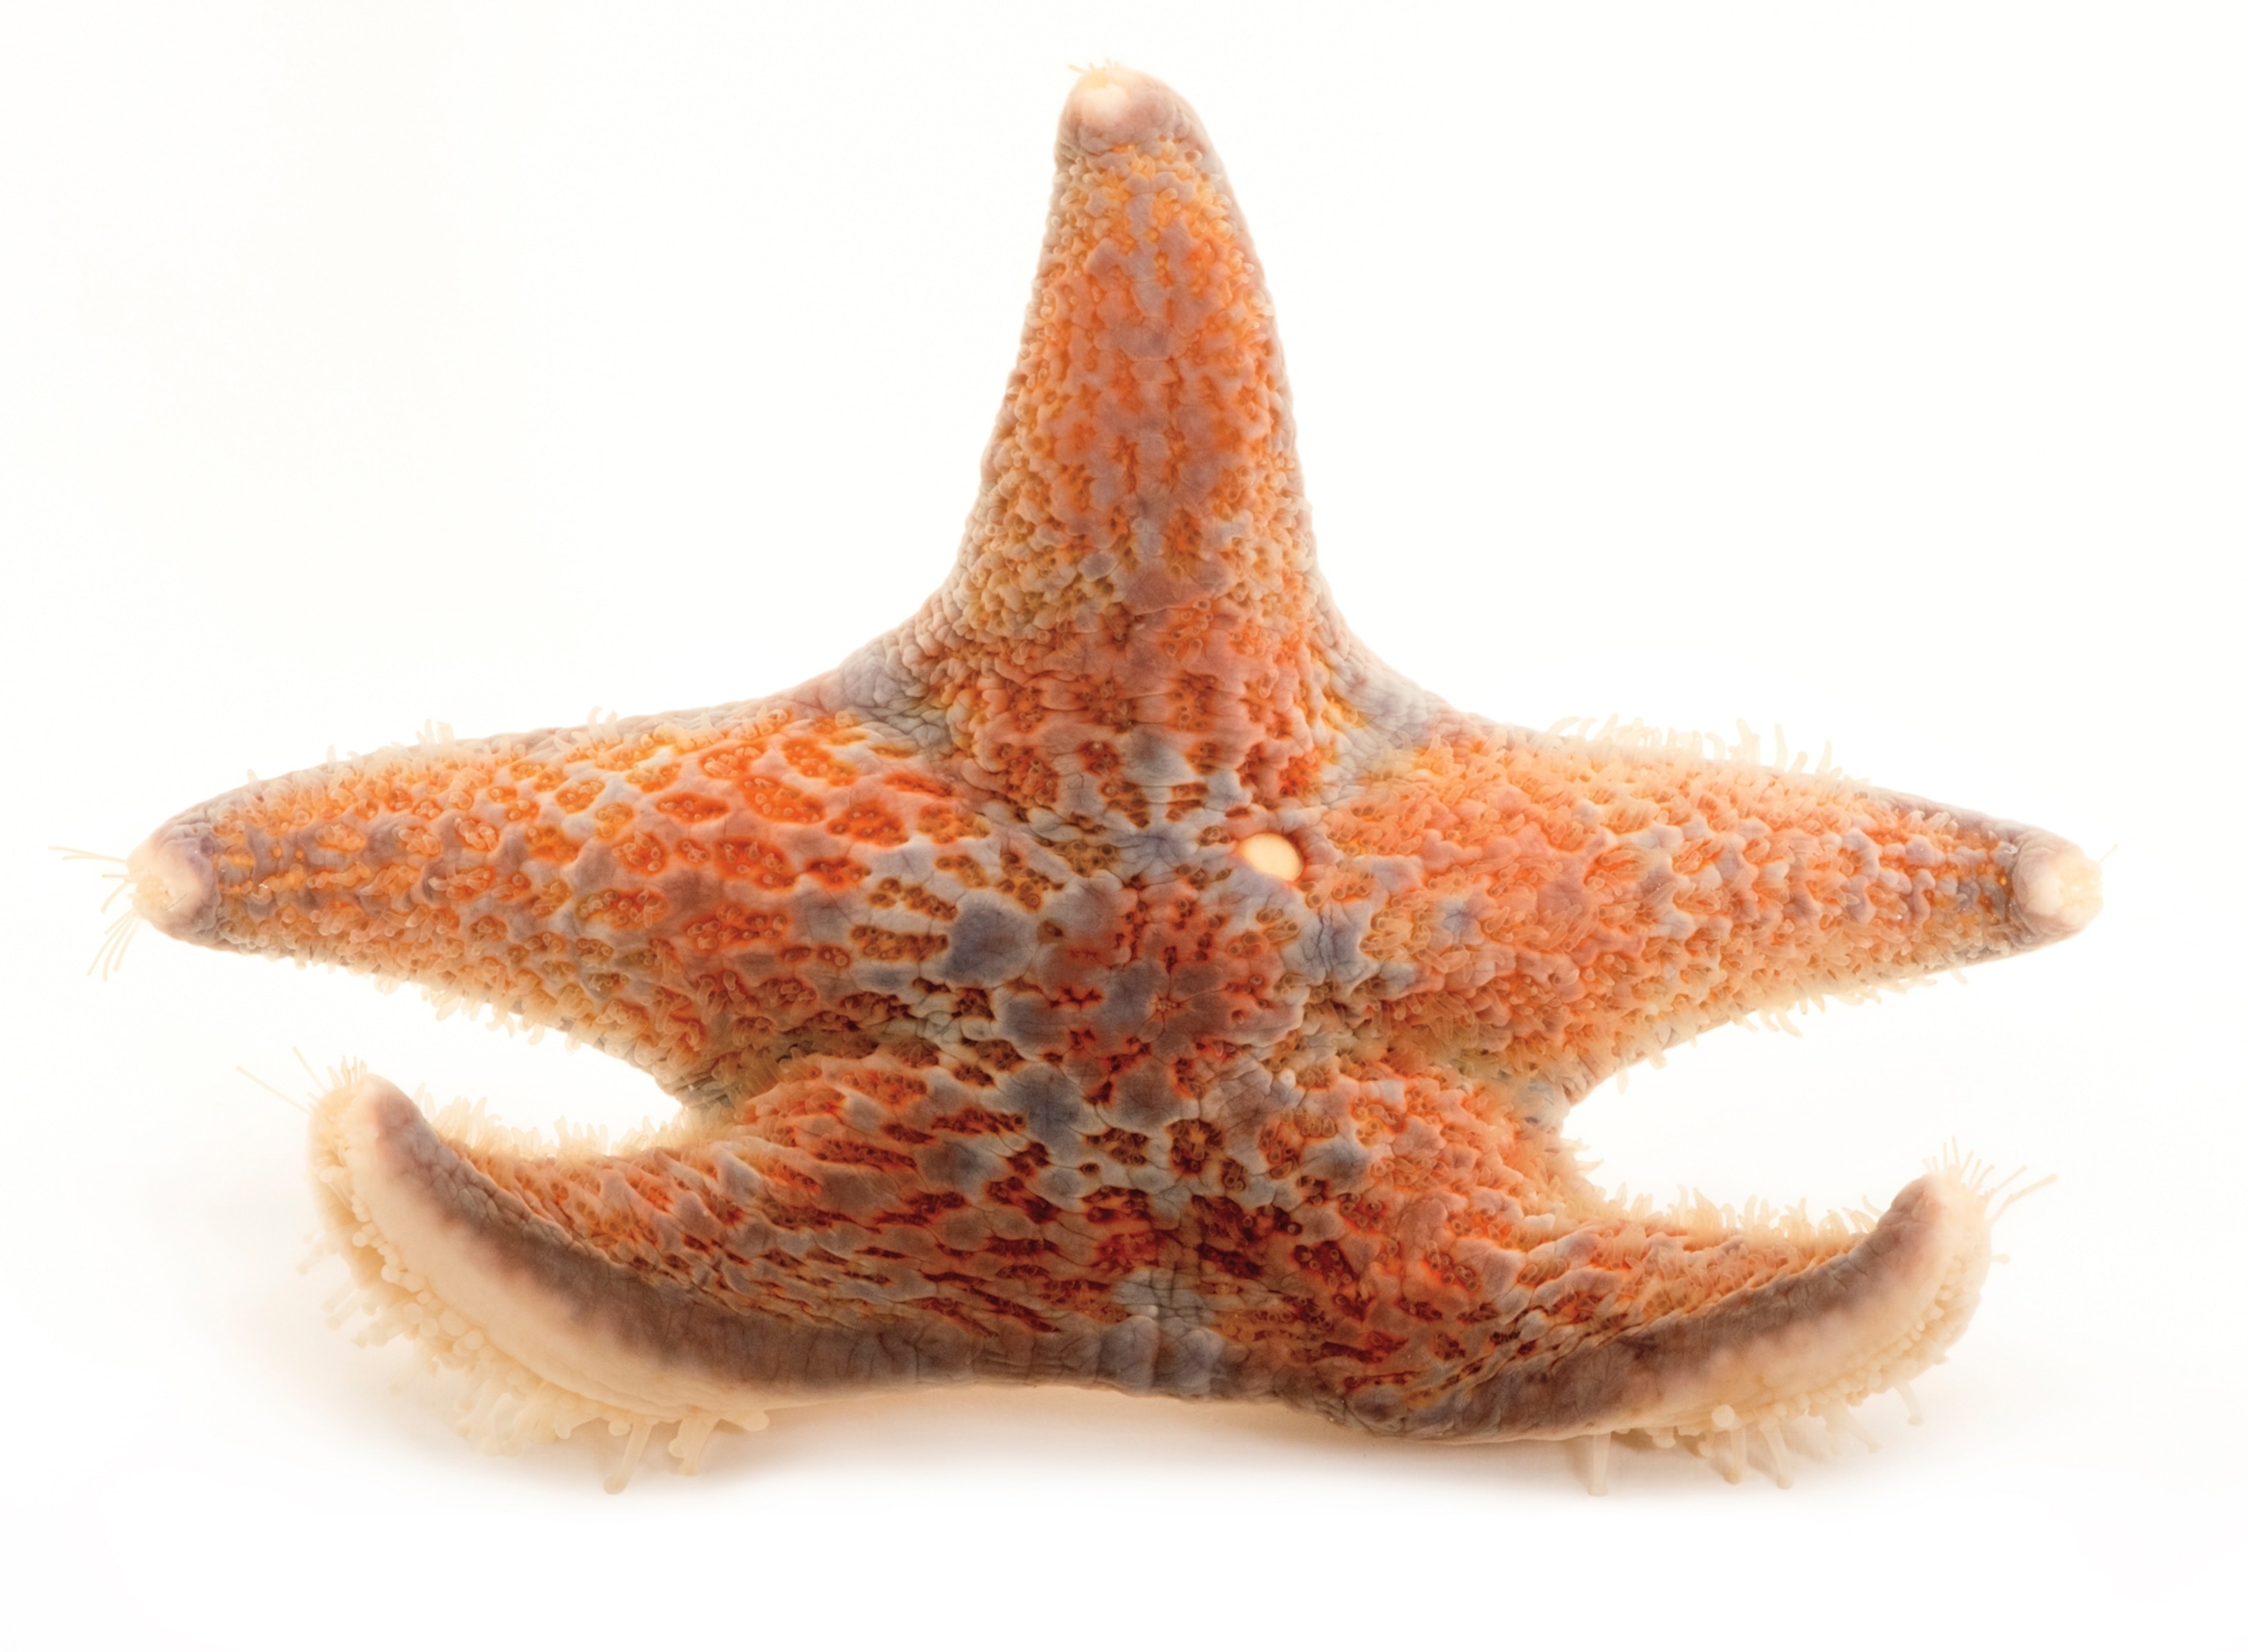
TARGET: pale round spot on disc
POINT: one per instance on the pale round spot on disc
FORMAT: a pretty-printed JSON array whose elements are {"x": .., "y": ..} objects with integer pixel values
[{"x": 1273, "y": 855}]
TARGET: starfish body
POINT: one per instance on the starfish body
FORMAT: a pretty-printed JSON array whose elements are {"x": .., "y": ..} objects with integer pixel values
[{"x": 1115, "y": 975}]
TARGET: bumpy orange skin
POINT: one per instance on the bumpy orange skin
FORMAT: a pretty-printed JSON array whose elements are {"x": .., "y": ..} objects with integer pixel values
[{"x": 1007, "y": 1063}]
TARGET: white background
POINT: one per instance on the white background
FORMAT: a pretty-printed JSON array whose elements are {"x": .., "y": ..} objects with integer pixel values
[{"x": 1879, "y": 377}]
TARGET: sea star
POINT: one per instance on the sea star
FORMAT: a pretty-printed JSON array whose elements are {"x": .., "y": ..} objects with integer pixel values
[{"x": 1115, "y": 975}]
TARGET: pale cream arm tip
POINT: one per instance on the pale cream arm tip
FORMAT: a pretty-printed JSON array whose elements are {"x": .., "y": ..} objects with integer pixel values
[
  {"x": 1112, "y": 106},
  {"x": 2056, "y": 886}
]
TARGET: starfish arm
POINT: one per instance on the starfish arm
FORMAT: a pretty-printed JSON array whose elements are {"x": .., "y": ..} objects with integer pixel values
[
  {"x": 1571, "y": 906},
  {"x": 705, "y": 896},
  {"x": 1391, "y": 1253},
  {"x": 1137, "y": 595}
]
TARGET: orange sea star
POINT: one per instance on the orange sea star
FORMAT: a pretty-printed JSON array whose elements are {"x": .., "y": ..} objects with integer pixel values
[{"x": 1115, "y": 975}]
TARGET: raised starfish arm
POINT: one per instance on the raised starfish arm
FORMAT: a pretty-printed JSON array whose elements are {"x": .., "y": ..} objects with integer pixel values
[{"x": 1116, "y": 975}]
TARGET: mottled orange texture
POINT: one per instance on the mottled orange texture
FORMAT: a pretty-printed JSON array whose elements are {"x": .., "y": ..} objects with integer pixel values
[{"x": 1115, "y": 975}]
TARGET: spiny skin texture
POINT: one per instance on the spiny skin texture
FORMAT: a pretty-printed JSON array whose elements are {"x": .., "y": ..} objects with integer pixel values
[{"x": 1002, "y": 1058}]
